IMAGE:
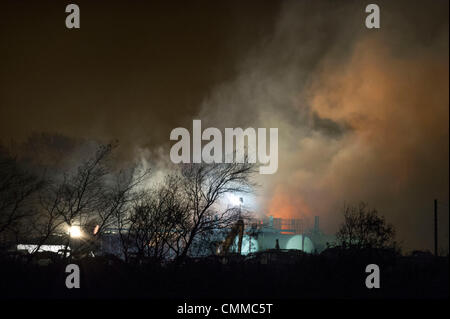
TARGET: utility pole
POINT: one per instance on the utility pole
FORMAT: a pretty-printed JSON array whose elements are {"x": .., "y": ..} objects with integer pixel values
[{"x": 435, "y": 229}]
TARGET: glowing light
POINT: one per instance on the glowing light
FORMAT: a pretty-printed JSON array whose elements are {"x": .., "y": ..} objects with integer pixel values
[
  {"x": 75, "y": 231},
  {"x": 32, "y": 248},
  {"x": 295, "y": 242},
  {"x": 234, "y": 200}
]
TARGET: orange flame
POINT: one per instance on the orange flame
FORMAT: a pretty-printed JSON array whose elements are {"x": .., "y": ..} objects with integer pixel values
[{"x": 286, "y": 206}]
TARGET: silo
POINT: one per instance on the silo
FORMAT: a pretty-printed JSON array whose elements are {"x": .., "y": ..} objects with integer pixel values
[{"x": 301, "y": 243}]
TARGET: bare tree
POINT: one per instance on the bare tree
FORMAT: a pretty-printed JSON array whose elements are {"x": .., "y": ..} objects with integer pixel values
[
  {"x": 153, "y": 225},
  {"x": 92, "y": 195},
  {"x": 118, "y": 196},
  {"x": 74, "y": 197},
  {"x": 364, "y": 228},
  {"x": 17, "y": 194},
  {"x": 203, "y": 186},
  {"x": 47, "y": 221}
]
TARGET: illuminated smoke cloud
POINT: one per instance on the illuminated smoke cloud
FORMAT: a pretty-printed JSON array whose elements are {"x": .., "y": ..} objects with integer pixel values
[{"x": 362, "y": 116}]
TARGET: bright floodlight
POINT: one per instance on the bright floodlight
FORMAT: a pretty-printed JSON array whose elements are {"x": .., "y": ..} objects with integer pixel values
[
  {"x": 234, "y": 200},
  {"x": 75, "y": 231}
]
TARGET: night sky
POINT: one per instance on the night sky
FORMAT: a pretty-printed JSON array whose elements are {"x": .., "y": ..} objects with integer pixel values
[{"x": 362, "y": 114}]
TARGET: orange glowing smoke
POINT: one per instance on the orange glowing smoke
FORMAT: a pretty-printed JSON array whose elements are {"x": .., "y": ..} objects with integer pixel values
[{"x": 286, "y": 206}]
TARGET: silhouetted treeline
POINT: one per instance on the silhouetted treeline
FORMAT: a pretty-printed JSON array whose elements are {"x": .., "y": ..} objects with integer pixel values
[
  {"x": 287, "y": 276},
  {"x": 161, "y": 220}
]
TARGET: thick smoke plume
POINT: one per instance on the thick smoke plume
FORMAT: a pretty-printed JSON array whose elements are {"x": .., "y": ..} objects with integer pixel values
[{"x": 362, "y": 114}]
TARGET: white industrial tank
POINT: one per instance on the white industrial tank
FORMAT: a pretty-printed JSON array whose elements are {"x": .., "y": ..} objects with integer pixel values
[{"x": 295, "y": 242}]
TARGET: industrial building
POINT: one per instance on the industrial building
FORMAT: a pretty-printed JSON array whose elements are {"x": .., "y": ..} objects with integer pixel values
[
  {"x": 243, "y": 238},
  {"x": 278, "y": 233}
]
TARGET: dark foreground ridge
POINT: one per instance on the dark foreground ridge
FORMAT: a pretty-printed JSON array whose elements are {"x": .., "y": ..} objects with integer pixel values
[{"x": 276, "y": 274}]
